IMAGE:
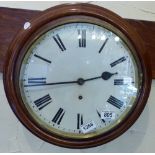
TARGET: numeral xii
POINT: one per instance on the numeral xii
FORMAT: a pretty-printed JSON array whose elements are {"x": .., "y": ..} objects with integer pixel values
[{"x": 82, "y": 38}]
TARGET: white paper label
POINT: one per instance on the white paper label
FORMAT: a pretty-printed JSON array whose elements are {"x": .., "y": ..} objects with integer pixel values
[
  {"x": 88, "y": 127},
  {"x": 108, "y": 115}
]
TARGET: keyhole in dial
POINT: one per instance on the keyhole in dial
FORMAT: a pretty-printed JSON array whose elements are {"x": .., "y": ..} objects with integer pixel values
[{"x": 80, "y": 97}]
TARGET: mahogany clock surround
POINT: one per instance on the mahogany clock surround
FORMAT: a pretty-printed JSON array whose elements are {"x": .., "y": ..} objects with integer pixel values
[{"x": 55, "y": 16}]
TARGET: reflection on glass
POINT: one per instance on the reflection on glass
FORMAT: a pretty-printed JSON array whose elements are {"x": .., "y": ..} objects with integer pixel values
[
  {"x": 117, "y": 39},
  {"x": 103, "y": 37}
]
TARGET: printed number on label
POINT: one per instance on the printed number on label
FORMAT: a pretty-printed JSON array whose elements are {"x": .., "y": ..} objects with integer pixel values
[
  {"x": 88, "y": 127},
  {"x": 108, "y": 115}
]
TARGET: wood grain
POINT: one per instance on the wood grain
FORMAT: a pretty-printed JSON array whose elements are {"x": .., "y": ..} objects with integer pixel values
[
  {"x": 146, "y": 30},
  {"x": 11, "y": 20}
]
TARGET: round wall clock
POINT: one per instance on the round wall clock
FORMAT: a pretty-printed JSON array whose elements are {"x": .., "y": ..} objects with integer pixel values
[{"x": 77, "y": 75}]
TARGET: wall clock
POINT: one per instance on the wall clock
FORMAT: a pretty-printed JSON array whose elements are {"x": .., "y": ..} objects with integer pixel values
[{"x": 77, "y": 75}]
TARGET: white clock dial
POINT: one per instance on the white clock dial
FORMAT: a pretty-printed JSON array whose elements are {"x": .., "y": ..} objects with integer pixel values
[{"x": 79, "y": 79}]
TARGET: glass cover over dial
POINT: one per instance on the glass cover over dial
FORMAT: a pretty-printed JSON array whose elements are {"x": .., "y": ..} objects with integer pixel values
[{"x": 80, "y": 80}]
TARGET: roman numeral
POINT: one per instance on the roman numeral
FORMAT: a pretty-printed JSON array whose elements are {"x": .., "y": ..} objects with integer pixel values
[
  {"x": 100, "y": 116},
  {"x": 82, "y": 38},
  {"x": 125, "y": 81},
  {"x": 79, "y": 120},
  {"x": 36, "y": 80},
  {"x": 115, "y": 102},
  {"x": 58, "y": 116},
  {"x": 118, "y": 61},
  {"x": 43, "y": 101},
  {"x": 41, "y": 58},
  {"x": 118, "y": 82},
  {"x": 103, "y": 45},
  {"x": 59, "y": 42}
]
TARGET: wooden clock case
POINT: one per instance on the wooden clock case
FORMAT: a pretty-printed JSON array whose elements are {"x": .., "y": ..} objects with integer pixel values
[{"x": 54, "y": 16}]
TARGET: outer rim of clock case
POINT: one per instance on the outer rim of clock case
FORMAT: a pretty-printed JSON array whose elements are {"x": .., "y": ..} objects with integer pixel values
[{"x": 59, "y": 12}]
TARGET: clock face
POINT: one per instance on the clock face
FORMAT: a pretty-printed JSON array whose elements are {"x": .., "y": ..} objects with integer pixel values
[{"x": 79, "y": 80}]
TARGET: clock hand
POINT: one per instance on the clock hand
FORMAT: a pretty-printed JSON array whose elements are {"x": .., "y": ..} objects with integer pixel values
[
  {"x": 104, "y": 76},
  {"x": 80, "y": 81},
  {"x": 107, "y": 75},
  {"x": 46, "y": 84}
]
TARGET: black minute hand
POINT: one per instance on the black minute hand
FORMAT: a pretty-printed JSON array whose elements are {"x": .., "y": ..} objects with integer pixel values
[
  {"x": 80, "y": 81},
  {"x": 55, "y": 83}
]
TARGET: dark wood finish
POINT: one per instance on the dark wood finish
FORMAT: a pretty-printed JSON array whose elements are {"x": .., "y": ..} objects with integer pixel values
[
  {"x": 146, "y": 30},
  {"x": 53, "y": 17},
  {"x": 11, "y": 20}
]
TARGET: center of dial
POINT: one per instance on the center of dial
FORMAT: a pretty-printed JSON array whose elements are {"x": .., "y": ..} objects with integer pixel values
[
  {"x": 80, "y": 97},
  {"x": 80, "y": 81}
]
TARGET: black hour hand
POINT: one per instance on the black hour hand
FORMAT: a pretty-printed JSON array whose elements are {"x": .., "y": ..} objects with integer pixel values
[{"x": 107, "y": 75}]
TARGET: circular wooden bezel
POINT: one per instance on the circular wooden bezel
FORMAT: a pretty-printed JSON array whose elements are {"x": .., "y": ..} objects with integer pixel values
[{"x": 55, "y": 15}]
